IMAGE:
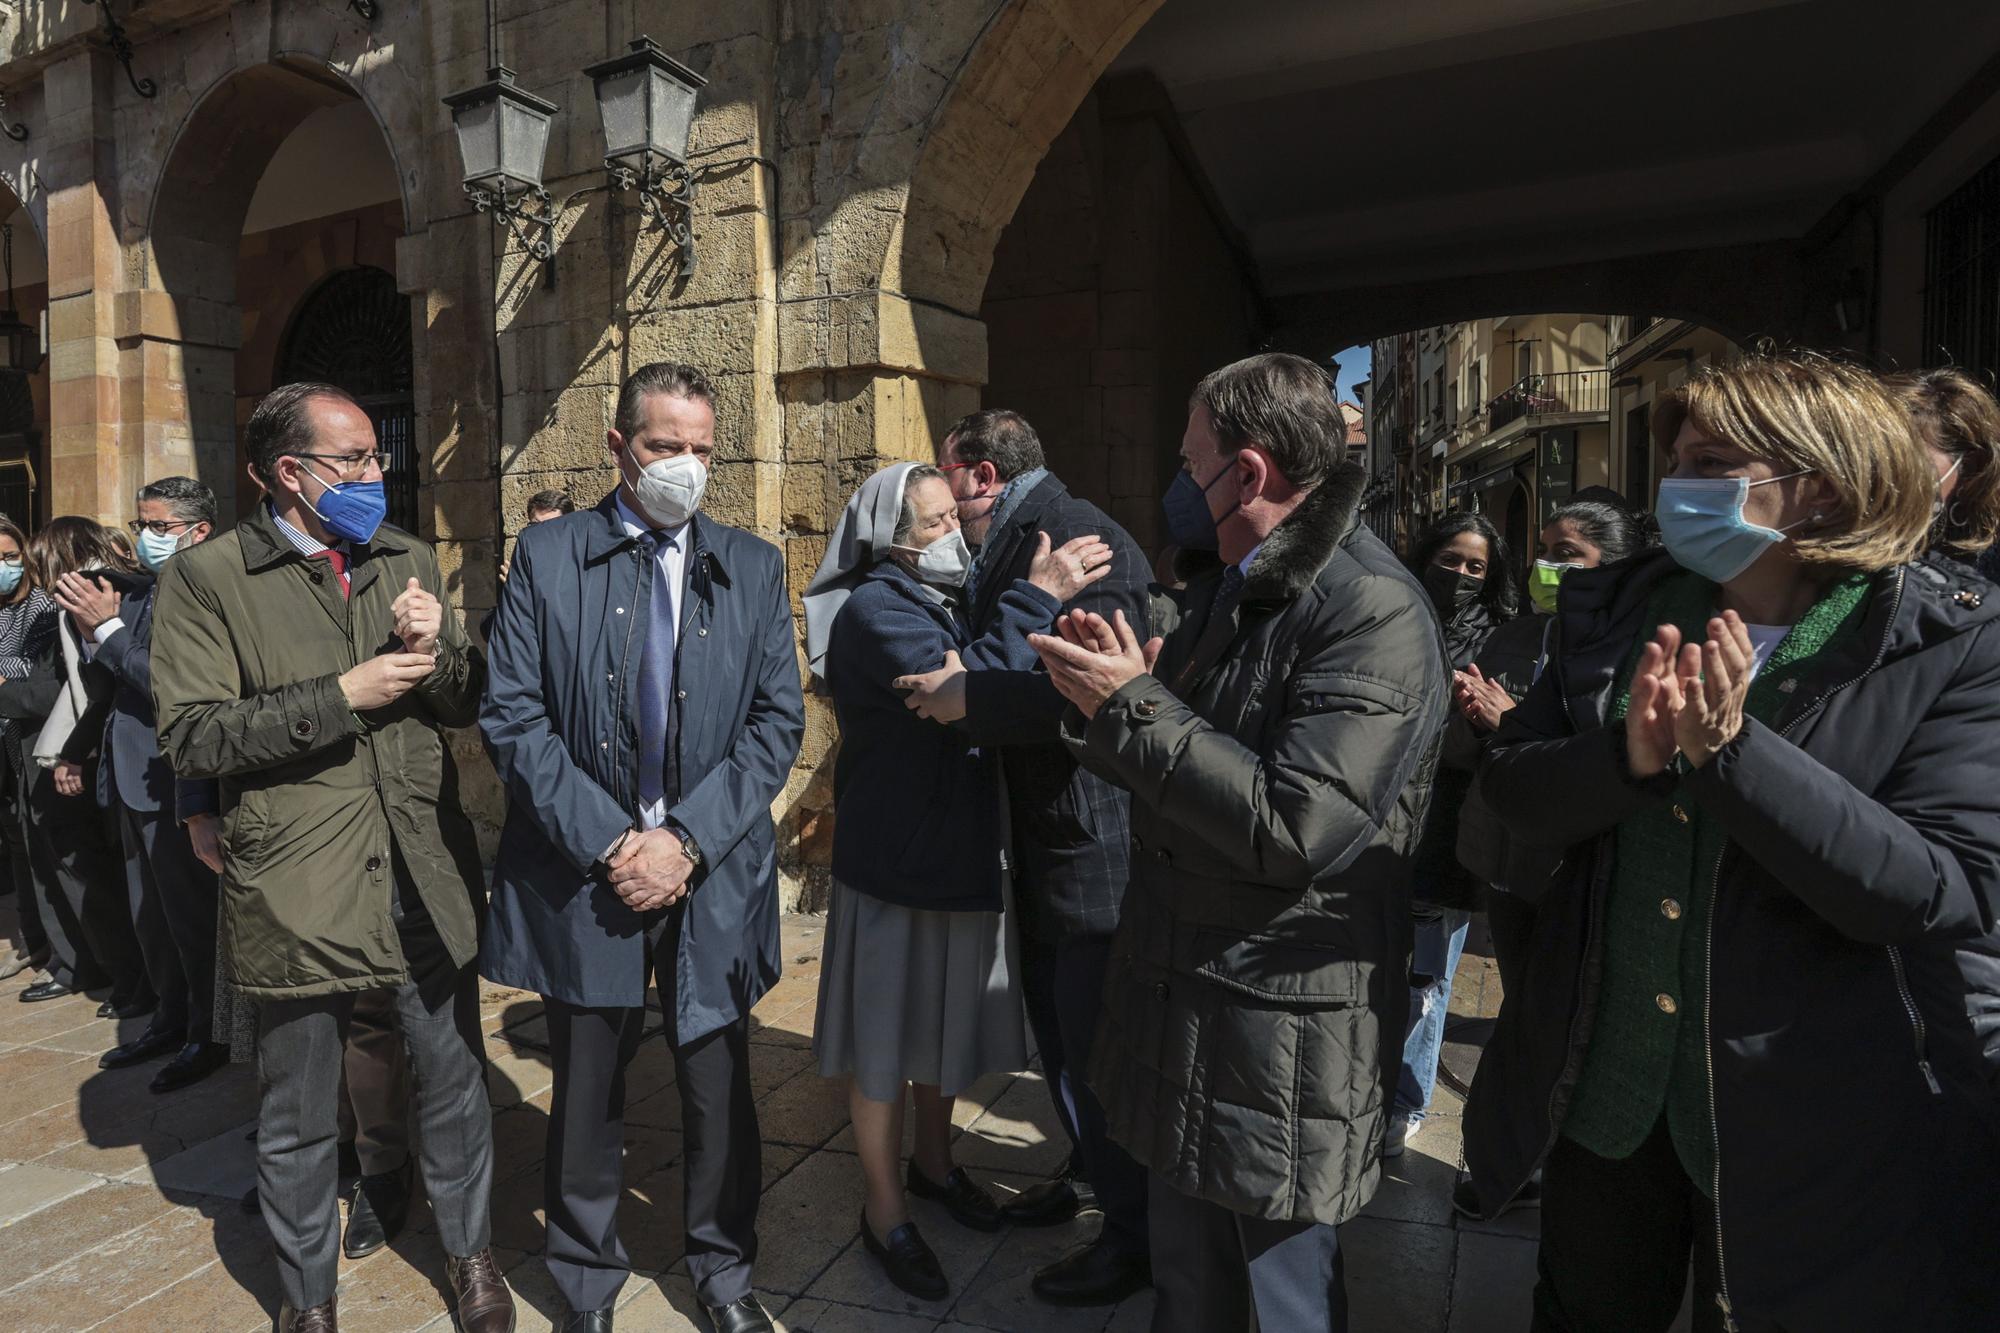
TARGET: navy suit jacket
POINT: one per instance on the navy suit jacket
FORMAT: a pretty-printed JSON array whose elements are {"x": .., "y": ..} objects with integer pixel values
[
  {"x": 561, "y": 722},
  {"x": 131, "y": 771}
]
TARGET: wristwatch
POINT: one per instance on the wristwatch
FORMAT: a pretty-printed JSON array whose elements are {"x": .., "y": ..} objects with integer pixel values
[{"x": 689, "y": 847}]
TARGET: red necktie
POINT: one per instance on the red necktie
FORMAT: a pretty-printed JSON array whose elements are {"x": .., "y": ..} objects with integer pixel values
[{"x": 337, "y": 559}]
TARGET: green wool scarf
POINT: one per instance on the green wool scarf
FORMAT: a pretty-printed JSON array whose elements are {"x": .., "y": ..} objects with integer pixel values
[{"x": 1648, "y": 1050}]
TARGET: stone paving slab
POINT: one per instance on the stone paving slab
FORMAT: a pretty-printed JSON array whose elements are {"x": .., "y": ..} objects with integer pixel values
[{"x": 120, "y": 1208}]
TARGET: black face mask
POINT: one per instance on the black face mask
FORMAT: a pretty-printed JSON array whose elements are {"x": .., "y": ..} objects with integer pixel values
[{"x": 1451, "y": 591}]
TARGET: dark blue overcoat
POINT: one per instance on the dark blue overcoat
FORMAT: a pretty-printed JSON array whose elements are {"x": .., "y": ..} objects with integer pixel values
[{"x": 561, "y": 722}]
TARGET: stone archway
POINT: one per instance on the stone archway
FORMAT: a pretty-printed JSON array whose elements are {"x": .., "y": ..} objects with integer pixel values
[{"x": 194, "y": 241}]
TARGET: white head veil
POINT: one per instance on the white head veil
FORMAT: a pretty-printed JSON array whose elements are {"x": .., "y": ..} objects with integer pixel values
[{"x": 866, "y": 532}]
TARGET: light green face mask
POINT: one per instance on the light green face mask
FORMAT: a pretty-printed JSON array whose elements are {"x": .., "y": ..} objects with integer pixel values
[{"x": 1543, "y": 582}]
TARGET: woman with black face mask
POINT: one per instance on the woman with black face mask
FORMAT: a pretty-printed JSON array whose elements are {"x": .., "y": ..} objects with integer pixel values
[{"x": 1466, "y": 567}]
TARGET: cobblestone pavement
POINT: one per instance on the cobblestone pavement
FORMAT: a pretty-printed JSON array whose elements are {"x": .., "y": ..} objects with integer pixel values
[{"x": 119, "y": 1205}]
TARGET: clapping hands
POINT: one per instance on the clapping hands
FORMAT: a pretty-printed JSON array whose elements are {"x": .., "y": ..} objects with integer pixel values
[
  {"x": 1688, "y": 698},
  {"x": 1090, "y": 659}
]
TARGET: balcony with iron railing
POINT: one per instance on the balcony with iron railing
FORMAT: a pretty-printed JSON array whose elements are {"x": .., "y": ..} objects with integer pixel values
[{"x": 1564, "y": 393}]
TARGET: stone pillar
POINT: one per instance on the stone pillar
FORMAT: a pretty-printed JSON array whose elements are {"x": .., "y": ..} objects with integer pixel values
[
  {"x": 865, "y": 379},
  {"x": 90, "y": 472}
]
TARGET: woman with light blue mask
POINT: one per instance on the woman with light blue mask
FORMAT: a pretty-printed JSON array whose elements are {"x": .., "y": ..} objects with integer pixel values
[
  {"x": 1767, "y": 758},
  {"x": 27, "y": 627}
]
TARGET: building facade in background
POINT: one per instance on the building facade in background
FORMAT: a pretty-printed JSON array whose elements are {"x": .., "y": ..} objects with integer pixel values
[{"x": 903, "y": 210}]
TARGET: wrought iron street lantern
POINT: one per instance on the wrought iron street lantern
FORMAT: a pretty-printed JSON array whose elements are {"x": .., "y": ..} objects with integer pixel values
[
  {"x": 503, "y": 136},
  {"x": 646, "y": 101},
  {"x": 20, "y": 343}
]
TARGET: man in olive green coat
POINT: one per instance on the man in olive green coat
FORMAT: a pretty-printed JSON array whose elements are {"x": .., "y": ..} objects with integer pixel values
[{"x": 308, "y": 661}]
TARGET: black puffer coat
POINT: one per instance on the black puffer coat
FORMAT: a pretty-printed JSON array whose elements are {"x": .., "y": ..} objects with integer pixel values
[
  {"x": 1857, "y": 1140},
  {"x": 1279, "y": 761}
]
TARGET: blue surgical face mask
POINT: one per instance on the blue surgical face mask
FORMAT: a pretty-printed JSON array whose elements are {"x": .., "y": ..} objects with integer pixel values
[
  {"x": 156, "y": 548},
  {"x": 1701, "y": 522},
  {"x": 1189, "y": 524},
  {"x": 10, "y": 579},
  {"x": 351, "y": 510}
]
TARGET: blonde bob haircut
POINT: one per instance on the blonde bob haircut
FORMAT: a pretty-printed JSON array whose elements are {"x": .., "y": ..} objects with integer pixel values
[{"x": 1802, "y": 412}]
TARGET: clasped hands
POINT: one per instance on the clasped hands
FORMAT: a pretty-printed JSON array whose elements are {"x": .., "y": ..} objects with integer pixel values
[
  {"x": 1688, "y": 698},
  {"x": 387, "y": 677},
  {"x": 650, "y": 869},
  {"x": 1483, "y": 701}
]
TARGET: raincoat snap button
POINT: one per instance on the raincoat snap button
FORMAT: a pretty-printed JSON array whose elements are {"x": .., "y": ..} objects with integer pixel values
[
  {"x": 1666, "y": 1002},
  {"x": 305, "y": 727},
  {"x": 1680, "y": 814},
  {"x": 374, "y": 864},
  {"x": 1670, "y": 909}
]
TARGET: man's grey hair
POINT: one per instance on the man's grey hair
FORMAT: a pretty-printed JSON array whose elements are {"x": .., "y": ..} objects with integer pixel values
[
  {"x": 672, "y": 378},
  {"x": 906, "y": 522},
  {"x": 188, "y": 500},
  {"x": 1285, "y": 405}
]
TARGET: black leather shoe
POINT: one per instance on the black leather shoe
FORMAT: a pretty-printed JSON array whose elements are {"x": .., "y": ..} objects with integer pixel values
[
  {"x": 148, "y": 1045},
  {"x": 376, "y": 1212},
  {"x": 964, "y": 1198},
  {"x": 586, "y": 1321},
  {"x": 1049, "y": 1203},
  {"x": 319, "y": 1319},
  {"x": 745, "y": 1316},
  {"x": 46, "y": 989},
  {"x": 107, "y": 1010},
  {"x": 1095, "y": 1274},
  {"x": 196, "y": 1061},
  {"x": 909, "y": 1262}
]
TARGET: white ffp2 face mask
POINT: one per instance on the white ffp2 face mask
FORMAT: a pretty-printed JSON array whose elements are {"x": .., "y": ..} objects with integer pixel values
[
  {"x": 670, "y": 489},
  {"x": 945, "y": 563}
]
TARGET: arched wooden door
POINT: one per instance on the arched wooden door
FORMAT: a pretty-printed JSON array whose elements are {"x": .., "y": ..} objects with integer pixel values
[{"x": 353, "y": 332}]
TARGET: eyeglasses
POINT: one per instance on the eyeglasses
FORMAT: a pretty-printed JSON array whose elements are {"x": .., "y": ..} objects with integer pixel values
[
  {"x": 350, "y": 464},
  {"x": 953, "y": 467},
  {"x": 159, "y": 527}
]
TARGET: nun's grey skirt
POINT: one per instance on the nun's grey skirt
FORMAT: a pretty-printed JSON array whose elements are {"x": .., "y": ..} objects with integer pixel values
[{"x": 909, "y": 996}]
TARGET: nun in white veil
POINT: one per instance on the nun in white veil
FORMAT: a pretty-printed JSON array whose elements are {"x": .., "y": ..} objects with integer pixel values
[{"x": 919, "y": 984}]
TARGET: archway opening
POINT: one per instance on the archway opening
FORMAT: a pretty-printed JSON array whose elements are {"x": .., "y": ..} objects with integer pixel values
[{"x": 274, "y": 230}]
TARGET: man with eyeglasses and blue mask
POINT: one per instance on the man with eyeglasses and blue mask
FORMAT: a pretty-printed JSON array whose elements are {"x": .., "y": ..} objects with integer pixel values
[
  {"x": 309, "y": 662},
  {"x": 172, "y": 894}
]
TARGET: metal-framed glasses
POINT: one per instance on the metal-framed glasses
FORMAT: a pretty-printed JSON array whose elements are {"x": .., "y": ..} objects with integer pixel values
[
  {"x": 349, "y": 465},
  {"x": 160, "y": 527}
]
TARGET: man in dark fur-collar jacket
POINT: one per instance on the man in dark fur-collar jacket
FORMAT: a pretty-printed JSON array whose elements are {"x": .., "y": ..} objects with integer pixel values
[{"x": 1279, "y": 748}]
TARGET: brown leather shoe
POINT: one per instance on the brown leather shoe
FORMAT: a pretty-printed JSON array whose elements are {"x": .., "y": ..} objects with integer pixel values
[
  {"x": 319, "y": 1319},
  {"x": 484, "y": 1303}
]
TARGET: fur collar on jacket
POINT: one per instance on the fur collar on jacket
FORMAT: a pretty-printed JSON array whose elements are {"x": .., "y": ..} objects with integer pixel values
[{"x": 1291, "y": 558}]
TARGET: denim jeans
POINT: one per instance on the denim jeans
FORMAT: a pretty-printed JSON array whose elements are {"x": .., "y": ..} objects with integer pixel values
[{"x": 1440, "y": 940}]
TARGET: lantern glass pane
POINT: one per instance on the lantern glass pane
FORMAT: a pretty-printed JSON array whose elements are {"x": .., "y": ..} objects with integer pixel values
[
  {"x": 478, "y": 140},
  {"x": 524, "y": 143},
  {"x": 621, "y": 102},
  {"x": 673, "y": 115}
]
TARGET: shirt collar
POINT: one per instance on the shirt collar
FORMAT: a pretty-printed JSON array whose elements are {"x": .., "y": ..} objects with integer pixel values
[
  {"x": 635, "y": 526},
  {"x": 305, "y": 543},
  {"x": 1243, "y": 565}
]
